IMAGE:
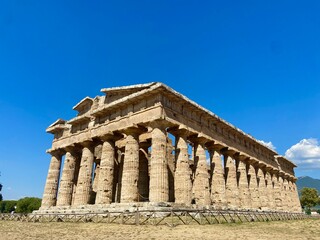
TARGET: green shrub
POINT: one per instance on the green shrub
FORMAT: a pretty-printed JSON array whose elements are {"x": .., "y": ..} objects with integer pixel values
[
  {"x": 28, "y": 204},
  {"x": 7, "y": 206}
]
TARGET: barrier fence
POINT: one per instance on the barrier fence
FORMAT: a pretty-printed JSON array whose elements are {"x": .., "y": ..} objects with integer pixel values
[{"x": 159, "y": 217}]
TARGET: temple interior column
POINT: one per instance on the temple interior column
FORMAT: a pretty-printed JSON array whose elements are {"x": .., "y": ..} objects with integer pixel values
[
  {"x": 159, "y": 185},
  {"x": 218, "y": 191},
  {"x": 51, "y": 188},
  {"x": 232, "y": 194},
  {"x": 130, "y": 173},
  {"x": 84, "y": 185},
  {"x": 182, "y": 177},
  {"x": 67, "y": 178},
  {"x": 143, "y": 182}
]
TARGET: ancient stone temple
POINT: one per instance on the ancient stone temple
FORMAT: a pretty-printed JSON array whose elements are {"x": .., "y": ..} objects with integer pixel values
[{"x": 147, "y": 145}]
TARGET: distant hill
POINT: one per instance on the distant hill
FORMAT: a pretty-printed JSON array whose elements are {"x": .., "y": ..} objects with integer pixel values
[{"x": 308, "y": 182}]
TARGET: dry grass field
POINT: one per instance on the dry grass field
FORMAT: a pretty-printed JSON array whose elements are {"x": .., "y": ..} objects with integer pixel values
[{"x": 298, "y": 229}]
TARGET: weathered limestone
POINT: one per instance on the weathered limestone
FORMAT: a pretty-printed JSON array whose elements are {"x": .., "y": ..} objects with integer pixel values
[
  {"x": 254, "y": 188},
  {"x": 84, "y": 186},
  {"x": 244, "y": 194},
  {"x": 67, "y": 179},
  {"x": 119, "y": 150},
  {"x": 51, "y": 188},
  {"x": 105, "y": 185},
  {"x": 218, "y": 189},
  {"x": 159, "y": 189},
  {"x": 130, "y": 174},
  {"x": 232, "y": 195},
  {"x": 201, "y": 193},
  {"x": 143, "y": 182},
  {"x": 182, "y": 182}
]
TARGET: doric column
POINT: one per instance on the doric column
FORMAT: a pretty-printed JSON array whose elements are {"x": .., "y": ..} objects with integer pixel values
[
  {"x": 130, "y": 173},
  {"x": 218, "y": 191},
  {"x": 51, "y": 188},
  {"x": 84, "y": 185},
  {"x": 284, "y": 195},
  {"x": 67, "y": 178},
  {"x": 182, "y": 177},
  {"x": 253, "y": 187},
  {"x": 269, "y": 191},
  {"x": 276, "y": 191},
  {"x": 291, "y": 204},
  {"x": 143, "y": 182},
  {"x": 201, "y": 188},
  {"x": 105, "y": 181},
  {"x": 262, "y": 190},
  {"x": 159, "y": 186},
  {"x": 244, "y": 193},
  {"x": 280, "y": 195},
  {"x": 231, "y": 183},
  {"x": 297, "y": 206}
]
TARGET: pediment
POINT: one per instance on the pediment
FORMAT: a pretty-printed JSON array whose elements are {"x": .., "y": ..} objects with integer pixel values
[{"x": 116, "y": 93}]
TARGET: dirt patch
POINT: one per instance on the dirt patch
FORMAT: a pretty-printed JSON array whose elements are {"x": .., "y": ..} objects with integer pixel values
[{"x": 298, "y": 229}]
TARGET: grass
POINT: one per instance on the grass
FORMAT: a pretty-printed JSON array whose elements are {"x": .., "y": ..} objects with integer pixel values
[{"x": 297, "y": 229}]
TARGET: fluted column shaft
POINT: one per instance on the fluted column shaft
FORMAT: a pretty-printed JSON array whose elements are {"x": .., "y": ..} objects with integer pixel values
[
  {"x": 51, "y": 188},
  {"x": 130, "y": 174},
  {"x": 159, "y": 186},
  {"x": 269, "y": 191},
  {"x": 84, "y": 186},
  {"x": 231, "y": 183},
  {"x": 218, "y": 189},
  {"x": 105, "y": 181},
  {"x": 143, "y": 182},
  {"x": 244, "y": 194},
  {"x": 201, "y": 189},
  {"x": 264, "y": 201},
  {"x": 284, "y": 195},
  {"x": 253, "y": 187},
  {"x": 182, "y": 177},
  {"x": 67, "y": 180}
]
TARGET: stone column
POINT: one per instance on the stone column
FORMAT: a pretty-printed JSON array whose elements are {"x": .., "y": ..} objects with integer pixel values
[
  {"x": 284, "y": 195},
  {"x": 182, "y": 177},
  {"x": 201, "y": 188},
  {"x": 262, "y": 190},
  {"x": 254, "y": 188},
  {"x": 276, "y": 191},
  {"x": 105, "y": 181},
  {"x": 159, "y": 186},
  {"x": 218, "y": 184},
  {"x": 84, "y": 186},
  {"x": 130, "y": 173},
  {"x": 51, "y": 188},
  {"x": 297, "y": 206},
  {"x": 269, "y": 191},
  {"x": 232, "y": 194},
  {"x": 244, "y": 193},
  {"x": 67, "y": 178},
  {"x": 291, "y": 204},
  {"x": 143, "y": 182},
  {"x": 279, "y": 196}
]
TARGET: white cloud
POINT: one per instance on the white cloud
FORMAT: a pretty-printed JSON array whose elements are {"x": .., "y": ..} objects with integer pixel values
[
  {"x": 9, "y": 188},
  {"x": 267, "y": 144},
  {"x": 306, "y": 153}
]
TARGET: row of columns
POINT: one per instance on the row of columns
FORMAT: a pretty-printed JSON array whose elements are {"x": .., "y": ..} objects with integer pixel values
[{"x": 227, "y": 183}]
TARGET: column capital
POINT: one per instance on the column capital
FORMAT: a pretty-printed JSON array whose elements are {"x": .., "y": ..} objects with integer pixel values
[
  {"x": 134, "y": 130},
  {"x": 87, "y": 143},
  {"x": 56, "y": 152},
  {"x": 110, "y": 136},
  {"x": 215, "y": 146}
]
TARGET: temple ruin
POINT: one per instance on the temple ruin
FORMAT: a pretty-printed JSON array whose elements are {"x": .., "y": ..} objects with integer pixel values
[{"x": 149, "y": 146}]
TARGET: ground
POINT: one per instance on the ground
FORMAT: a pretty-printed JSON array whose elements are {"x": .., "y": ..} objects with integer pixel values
[{"x": 296, "y": 229}]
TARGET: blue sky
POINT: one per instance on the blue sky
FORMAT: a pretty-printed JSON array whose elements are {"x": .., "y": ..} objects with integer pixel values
[{"x": 254, "y": 63}]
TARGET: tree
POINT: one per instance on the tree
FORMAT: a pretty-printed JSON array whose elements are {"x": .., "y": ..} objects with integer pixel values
[
  {"x": 0, "y": 192},
  {"x": 7, "y": 206},
  {"x": 28, "y": 204},
  {"x": 309, "y": 198}
]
